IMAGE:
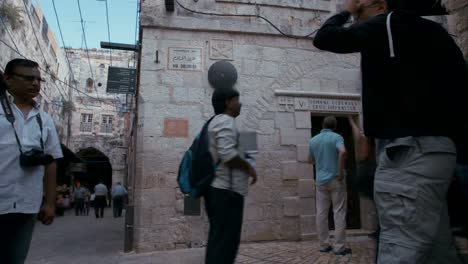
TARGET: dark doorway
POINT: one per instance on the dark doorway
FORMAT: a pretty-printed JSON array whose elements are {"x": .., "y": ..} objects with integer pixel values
[
  {"x": 353, "y": 216},
  {"x": 98, "y": 167}
]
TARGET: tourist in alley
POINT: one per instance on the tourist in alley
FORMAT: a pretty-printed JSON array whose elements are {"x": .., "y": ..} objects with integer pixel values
[{"x": 327, "y": 151}]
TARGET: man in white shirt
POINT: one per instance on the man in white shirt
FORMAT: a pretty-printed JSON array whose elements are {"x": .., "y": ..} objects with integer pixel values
[
  {"x": 100, "y": 201},
  {"x": 27, "y": 132},
  {"x": 224, "y": 200}
]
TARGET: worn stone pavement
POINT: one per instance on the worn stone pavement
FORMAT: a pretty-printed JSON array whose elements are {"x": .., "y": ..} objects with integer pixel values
[{"x": 85, "y": 239}]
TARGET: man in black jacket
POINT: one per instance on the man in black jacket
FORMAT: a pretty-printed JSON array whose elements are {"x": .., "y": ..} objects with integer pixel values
[{"x": 414, "y": 78}]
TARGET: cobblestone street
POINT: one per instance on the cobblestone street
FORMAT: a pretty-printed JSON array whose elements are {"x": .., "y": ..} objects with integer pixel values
[{"x": 84, "y": 239}]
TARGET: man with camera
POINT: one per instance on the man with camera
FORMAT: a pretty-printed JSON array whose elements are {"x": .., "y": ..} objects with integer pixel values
[
  {"x": 28, "y": 147},
  {"x": 414, "y": 92}
]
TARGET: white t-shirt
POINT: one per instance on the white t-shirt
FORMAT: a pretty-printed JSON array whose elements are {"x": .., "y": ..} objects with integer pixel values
[{"x": 224, "y": 146}]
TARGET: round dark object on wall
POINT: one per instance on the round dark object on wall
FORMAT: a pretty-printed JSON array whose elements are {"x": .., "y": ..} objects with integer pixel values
[
  {"x": 222, "y": 74},
  {"x": 99, "y": 84}
]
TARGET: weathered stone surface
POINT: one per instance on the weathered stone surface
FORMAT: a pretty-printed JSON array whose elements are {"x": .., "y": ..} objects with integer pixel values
[
  {"x": 290, "y": 228},
  {"x": 292, "y": 136},
  {"x": 291, "y": 206},
  {"x": 302, "y": 153},
  {"x": 253, "y": 212},
  {"x": 308, "y": 224},
  {"x": 307, "y": 206},
  {"x": 289, "y": 170},
  {"x": 260, "y": 231},
  {"x": 306, "y": 188},
  {"x": 303, "y": 119},
  {"x": 284, "y": 120}
]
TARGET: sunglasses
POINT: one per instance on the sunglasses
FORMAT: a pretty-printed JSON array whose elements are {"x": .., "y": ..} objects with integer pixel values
[{"x": 29, "y": 78}]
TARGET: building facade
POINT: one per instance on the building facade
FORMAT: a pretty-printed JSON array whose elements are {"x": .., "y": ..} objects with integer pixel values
[
  {"x": 24, "y": 33},
  {"x": 100, "y": 120},
  {"x": 287, "y": 86}
]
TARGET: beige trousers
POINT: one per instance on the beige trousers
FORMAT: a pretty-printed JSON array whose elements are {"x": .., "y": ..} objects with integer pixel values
[{"x": 333, "y": 193}]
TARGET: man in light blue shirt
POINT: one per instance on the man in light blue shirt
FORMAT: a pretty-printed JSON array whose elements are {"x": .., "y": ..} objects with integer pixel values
[
  {"x": 328, "y": 152},
  {"x": 118, "y": 197}
]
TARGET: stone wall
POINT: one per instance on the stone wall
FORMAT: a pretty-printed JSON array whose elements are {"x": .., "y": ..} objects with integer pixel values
[
  {"x": 458, "y": 22},
  {"x": 281, "y": 206},
  {"x": 45, "y": 51},
  {"x": 91, "y": 98}
]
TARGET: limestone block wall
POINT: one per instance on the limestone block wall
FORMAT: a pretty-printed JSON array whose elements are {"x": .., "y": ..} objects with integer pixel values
[
  {"x": 458, "y": 22},
  {"x": 281, "y": 206},
  {"x": 94, "y": 100},
  {"x": 20, "y": 41}
]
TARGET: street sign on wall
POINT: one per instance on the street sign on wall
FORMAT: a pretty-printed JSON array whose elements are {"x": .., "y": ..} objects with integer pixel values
[{"x": 121, "y": 80}]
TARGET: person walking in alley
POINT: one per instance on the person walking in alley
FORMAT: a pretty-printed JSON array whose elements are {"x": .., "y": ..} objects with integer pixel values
[
  {"x": 79, "y": 196},
  {"x": 327, "y": 152},
  {"x": 100, "y": 200},
  {"x": 224, "y": 200},
  {"x": 29, "y": 146},
  {"x": 119, "y": 194},
  {"x": 414, "y": 93}
]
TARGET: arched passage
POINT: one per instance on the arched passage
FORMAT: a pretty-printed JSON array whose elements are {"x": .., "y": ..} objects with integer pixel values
[{"x": 98, "y": 167}]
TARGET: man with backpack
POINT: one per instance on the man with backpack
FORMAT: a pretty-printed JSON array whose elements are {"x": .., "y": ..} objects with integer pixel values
[{"x": 224, "y": 199}]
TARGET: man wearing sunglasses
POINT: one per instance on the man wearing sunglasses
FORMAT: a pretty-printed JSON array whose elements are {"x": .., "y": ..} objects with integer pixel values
[
  {"x": 414, "y": 93},
  {"x": 28, "y": 147}
]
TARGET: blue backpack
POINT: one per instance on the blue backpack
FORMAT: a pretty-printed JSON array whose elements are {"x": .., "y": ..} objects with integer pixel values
[{"x": 197, "y": 168}]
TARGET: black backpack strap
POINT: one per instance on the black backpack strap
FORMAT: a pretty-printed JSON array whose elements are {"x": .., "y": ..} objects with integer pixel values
[
  {"x": 9, "y": 116},
  {"x": 39, "y": 121}
]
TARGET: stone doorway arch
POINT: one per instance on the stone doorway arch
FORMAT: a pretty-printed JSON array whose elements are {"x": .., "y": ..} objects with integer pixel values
[{"x": 98, "y": 167}]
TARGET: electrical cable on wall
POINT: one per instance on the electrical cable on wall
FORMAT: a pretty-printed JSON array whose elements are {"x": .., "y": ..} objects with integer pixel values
[
  {"x": 63, "y": 42},
  {"x": 86, "y": 46},
  {"x": 40, "y": 48},
  {"x": 245, "y": 15},
  {"x": 110, "y": 50},
  {"x": 46, "y": 72}
]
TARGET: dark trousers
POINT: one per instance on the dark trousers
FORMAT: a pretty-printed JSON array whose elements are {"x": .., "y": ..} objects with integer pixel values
[
  {"x": 117, "y": 205},
  {"x": 15, "y": 237},
  {"x": 79, "y": 206},
  {"x": 100, "y": 202},
  {"x": 225, "y": 212}
]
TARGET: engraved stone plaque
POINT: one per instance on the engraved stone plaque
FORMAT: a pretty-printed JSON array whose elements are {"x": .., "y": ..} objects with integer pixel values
[{"x": 221, "y": 49}]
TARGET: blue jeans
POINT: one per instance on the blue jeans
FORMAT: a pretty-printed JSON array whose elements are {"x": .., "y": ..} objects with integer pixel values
[{"x": 16, "y": 232}]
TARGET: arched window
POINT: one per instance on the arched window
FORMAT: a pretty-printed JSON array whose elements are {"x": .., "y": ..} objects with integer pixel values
[{"x": 89, "y": 85}]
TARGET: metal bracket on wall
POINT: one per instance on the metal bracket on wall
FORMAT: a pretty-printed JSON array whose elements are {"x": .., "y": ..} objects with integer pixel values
[{"x": 157, "y": 57}]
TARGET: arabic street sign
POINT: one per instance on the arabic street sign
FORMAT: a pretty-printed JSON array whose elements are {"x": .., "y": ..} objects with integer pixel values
[
  {"x": 121, "y": 80},
  {"x": 188, "y": 59}
]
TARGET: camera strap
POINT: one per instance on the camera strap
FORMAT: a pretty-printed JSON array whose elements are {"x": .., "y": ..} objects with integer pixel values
[
  {"x": 10, "y": 117},
  {"x": 39, "y": 121}
]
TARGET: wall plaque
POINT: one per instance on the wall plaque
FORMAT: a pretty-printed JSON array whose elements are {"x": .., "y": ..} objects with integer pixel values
[
  {"x": 221, "y": 49},
  {"x": 326, "y": 105},
  {"x": 175, "y": 128},
  {"x": 188, "y": 59}
]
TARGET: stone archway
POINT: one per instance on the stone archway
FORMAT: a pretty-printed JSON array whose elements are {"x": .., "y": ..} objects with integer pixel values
[{"x": 98, "y": 167}]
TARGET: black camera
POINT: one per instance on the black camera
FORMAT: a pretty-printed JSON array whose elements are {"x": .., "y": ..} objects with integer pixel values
[{"x": 34, "y": 157}]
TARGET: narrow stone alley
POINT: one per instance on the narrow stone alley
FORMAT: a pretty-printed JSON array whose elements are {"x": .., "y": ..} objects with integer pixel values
[{"x": 84, "y": 239}]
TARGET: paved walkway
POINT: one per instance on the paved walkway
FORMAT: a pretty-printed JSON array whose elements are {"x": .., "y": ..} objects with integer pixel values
[{"x": 84, "y": 239}]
